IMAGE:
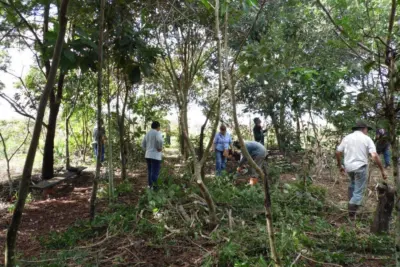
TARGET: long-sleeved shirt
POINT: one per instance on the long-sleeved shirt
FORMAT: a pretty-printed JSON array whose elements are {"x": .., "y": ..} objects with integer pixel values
[
  {"x": 96, "y": 133},
  {"x": 255, "y": 150},
  {"x": 222, "y": 142},
  {"x": 152, "y": 143}
]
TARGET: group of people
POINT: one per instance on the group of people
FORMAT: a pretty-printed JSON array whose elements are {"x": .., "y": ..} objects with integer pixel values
[
  {"x": 223, "y": 144},
  {"x": 356, "y": 148},
  {"x": 153, "y": 144}
]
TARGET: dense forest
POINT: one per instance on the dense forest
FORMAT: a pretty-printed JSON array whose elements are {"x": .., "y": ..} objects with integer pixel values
[{"x": 200, "y": 133}]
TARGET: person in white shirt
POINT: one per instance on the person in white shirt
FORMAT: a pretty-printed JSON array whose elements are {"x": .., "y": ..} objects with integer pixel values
[
  {"x": 356, "y": 148},
  {"x": 153, "y": 144}
]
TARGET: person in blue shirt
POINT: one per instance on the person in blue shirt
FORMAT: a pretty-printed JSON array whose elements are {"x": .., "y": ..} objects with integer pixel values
[
  {"x": 257, "y": 152},
  {"x": 222, "y": 144}
]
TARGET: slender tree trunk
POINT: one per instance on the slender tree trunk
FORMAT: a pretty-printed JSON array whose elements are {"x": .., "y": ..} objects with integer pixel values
[
  {"x": 99, "y": 95},
  {"x": 275, "y": 124},
  {"x": 48, "y": 153},
  {"x": 121, "y": 125},
  {"x": 110, "y": 156},
  {"x": 267, "y": 202},
  {"x": 8, "y": 165},
  {"x": 67, "y": 159},
  {"x": 27, "y": 171}
]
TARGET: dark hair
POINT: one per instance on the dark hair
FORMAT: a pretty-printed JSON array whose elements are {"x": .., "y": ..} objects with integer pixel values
[
  {"x": 257, "y": 119},
  {"x": 236, "y": 144},
  {"x": 155, "y": 125},
  {"x": 222, "y": 128}
]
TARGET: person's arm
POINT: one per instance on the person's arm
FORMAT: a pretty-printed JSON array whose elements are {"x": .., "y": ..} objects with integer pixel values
[
  {"x": 159, "y": 142},
  {"x": 339, "y": 153},
  {"x": 339, "y": 161},
  {"x": 377, "y": 160},
  {"x": 375, "y": 157}
]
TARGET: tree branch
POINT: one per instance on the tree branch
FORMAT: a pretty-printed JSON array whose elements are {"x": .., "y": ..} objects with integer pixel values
[{"x": 341, "y": 30}]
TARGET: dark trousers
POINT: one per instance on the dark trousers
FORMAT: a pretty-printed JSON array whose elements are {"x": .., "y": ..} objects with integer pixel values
[{"x": 153, "y": 170}]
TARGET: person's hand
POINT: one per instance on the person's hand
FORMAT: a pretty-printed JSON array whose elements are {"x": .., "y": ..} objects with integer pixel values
[
  {"x": 384, "y": 175},
  {"x": 342, "y": 170}
]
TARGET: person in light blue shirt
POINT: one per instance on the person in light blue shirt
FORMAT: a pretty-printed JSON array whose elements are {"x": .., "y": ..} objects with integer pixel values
[
  {"x": 222, "y": 142},
  {"x": 257, "y": 152},
  {"x": 153, "y": 144}
]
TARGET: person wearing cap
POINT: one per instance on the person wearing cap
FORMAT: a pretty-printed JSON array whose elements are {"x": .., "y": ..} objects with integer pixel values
[
  {"x": 258, "y": 131},
  {"x": 221, "y": 145},
  {"x": 356, "y": 147},
  {"x": 383, "y": 145},
  {"x": 257, "y": 152}
]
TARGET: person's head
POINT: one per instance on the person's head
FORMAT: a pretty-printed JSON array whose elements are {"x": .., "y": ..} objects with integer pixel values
[
  {"x": 380, "y": 132},
  {"x": 362, "y": 127},
  {"x": 222, "y": 129},
  {"x": 155, "y": 125},
  {"x": 257, "y": 121},
  {"x": 236, "y": 144}
]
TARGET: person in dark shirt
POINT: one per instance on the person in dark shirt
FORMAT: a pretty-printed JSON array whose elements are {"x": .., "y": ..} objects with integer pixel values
[
  {"x": 383, "y": 145},
  {"x": 258, "y": 132}
]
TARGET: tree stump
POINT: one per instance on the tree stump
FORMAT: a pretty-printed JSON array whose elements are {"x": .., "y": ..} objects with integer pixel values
[{"x": 384, "y": 209}]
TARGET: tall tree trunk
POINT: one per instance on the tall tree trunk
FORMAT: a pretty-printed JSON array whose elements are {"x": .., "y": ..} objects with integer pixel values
[
  {"x": 267, "y": 202},
  {"x": 48, "y": 154},
  {"x": 298, "y": 127},
  {"x": 121, "y": 124},
  {"x": 110, "y": 154},
  {"x": 99, "y": 95},
  {"x": 275, "y": 124},
  {"x": 27, "y": 171},
  {"x": 67, "y": 159},
  {"x": 8, "y": 165}
]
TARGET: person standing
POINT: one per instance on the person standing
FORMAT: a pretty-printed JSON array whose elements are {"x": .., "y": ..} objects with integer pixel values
[
  {"x": 356, "y": 147},
  {"x": 383, "y": 145},
  {"x": 258, "y": 131},
  {"x": 99, "y": 133},
  {"x": 221, "y": 145},
  {"x": 257, "y": 152},
  {"x": 152, "y": 144}
]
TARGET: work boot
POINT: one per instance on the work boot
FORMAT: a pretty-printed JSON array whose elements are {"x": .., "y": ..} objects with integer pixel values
[{"x": 352, "y": 210}]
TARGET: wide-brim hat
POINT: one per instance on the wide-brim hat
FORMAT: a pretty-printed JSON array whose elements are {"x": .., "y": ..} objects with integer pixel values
[{"x": 361, "y": 125}]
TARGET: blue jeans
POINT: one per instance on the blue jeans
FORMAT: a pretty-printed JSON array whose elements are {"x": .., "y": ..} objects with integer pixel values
[
  {"x": 153, "y": 170},
  {"x": 386, "y": 157},
  {"x": 102, "y": 152},
  {"x": 220, "y": 162},
  {"x": 358, "y": 182}
]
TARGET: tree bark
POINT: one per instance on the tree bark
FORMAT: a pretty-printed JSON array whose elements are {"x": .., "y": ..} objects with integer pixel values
[
  {"x": 110, "y": 156},
  {"x": 48, "y": 154},
  {"x": 27, "y": 171},
  {"x": 99, "y": 95},
  {"x": 267, "y": 202},
  {"x": 8, "y": 165},
  {"x": 121, "y": 124},
  {"x": 384, "y": 209}
]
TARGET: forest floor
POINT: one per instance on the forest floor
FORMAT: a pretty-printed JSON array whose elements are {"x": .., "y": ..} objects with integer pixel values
[{"x": 67, "y": 210}]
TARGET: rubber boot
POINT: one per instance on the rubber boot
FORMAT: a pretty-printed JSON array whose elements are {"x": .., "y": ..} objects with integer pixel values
[
  {"x": 352, "y": 211},
  {"x": 350, "y": 193}
]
